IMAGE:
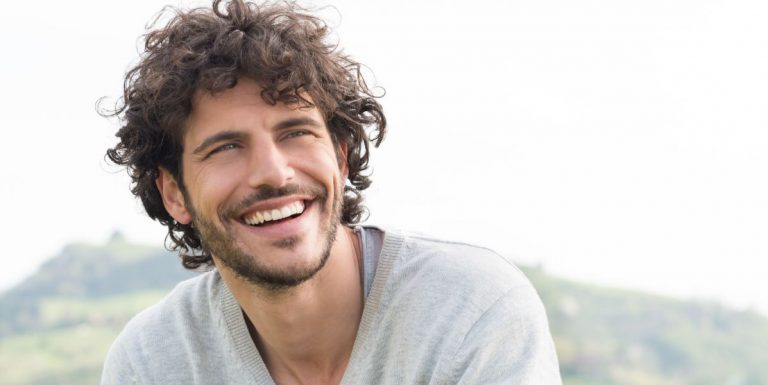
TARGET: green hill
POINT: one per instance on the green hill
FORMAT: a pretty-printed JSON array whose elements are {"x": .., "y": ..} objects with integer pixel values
[
  {"x": 609, "y": 336},
  {"x": 56, "y": 326},
  {"x": 71, "y": 288}
]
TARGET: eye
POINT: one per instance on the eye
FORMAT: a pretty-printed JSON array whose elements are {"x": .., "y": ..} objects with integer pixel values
[
  {"x": 296, "y": 134},
  {"x": 224, "y": 147}
]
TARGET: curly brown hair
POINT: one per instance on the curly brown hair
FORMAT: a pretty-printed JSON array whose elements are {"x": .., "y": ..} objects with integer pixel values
[{"x": 284, "y": 49}]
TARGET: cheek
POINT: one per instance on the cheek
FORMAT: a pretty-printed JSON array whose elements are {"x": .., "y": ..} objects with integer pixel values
[
  {"x": 318, "y": 149},
  {"x": 322, "y": 166},
  {"x": 209, "y": 187}
]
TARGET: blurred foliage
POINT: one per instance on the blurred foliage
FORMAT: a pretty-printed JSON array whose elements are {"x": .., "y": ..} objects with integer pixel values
[
  {"x": 611, "y": 336},
  {"x": 56, "y": 327},
  {"x": 70, "y": 354},
  {"x": 86, "y": 272}
]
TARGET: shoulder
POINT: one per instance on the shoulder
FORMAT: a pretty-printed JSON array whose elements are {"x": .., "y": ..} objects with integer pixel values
[
  {"x": 459, "y": 265},
  {"x": 501, "y": 325},
  {"x": 437, "y": 302},
  {"x": 458, "y": 280},
  {"x": 158, "y": 335},
  {"x": 186, "y": 305}
]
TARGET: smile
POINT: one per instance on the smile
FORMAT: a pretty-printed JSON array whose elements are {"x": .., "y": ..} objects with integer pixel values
[{"x": 260, "y": 217}]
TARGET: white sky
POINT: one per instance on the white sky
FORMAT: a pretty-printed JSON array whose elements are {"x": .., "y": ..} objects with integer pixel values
[{"x": 615, "y": 142}]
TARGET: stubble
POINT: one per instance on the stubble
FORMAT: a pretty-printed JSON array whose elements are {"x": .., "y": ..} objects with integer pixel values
[{"x": 223, "y": 244}]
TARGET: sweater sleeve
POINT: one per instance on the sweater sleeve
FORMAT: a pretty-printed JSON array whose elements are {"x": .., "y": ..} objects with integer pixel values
[
  {"x": 509, "y": 344},
  {"x": 118, "y": 369}
]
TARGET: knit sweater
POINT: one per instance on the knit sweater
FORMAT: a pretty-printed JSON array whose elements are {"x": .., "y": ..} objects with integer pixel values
[{"x": 436, "y": 312}]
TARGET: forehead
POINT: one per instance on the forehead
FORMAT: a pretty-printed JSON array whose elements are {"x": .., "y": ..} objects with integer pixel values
[
  {"x": 246, "y": 94},
  {"x": 239, "y": 108}
]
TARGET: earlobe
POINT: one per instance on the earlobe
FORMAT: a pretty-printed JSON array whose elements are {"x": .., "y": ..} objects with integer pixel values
[{"x": 173, "y": 198}]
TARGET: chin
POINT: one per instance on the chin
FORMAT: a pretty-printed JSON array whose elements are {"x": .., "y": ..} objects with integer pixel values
[{"x": 287, "y": 263}]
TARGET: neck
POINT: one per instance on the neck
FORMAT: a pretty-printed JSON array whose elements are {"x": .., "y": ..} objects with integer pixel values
[{"x": 305, "y": 334}]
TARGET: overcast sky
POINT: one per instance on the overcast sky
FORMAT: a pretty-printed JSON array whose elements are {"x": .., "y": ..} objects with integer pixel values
[{"x": 615, "y": 142}]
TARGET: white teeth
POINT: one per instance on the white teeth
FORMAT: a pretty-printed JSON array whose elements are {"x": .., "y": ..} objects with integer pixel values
[
  {"x": 275, "y": 214},
  {"x": 299, "y": 207}
]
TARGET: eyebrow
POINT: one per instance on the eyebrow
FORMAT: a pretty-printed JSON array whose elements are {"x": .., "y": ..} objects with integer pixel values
[
  {"x": 218, "y": 137},
  {"x": 298, "y": 121}
]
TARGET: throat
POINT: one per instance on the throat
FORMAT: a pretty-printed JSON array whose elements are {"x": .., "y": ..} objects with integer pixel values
[
  {"x": 302, "y": 366},
  {"x": 306, "y": 335}
]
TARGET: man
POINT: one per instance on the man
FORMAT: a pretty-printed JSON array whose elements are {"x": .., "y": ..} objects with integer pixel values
[{"x": 245, "y": 134}]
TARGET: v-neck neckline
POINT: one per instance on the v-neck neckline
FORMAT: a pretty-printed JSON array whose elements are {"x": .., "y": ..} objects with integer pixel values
[{"x": 245, "y": 347}]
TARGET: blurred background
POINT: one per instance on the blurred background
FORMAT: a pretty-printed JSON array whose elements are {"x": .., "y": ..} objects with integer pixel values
[{"x": 616, "y": 150}]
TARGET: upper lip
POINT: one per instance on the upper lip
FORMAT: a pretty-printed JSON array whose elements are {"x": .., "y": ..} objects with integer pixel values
[{"x": 273, "y": 203}]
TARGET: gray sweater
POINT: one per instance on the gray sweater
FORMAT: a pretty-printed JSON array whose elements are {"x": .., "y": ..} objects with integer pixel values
[{"x": 436, "y": 312}]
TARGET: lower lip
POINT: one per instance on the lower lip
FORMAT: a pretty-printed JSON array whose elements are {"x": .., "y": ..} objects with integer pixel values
[{"x": 285, "y": 228}]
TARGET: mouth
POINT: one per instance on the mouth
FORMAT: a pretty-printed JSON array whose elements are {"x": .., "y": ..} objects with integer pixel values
[{"x": 277, "y": 215}]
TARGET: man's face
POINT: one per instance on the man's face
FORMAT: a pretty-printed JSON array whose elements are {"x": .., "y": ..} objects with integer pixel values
[{"x": 262, "y": 185}]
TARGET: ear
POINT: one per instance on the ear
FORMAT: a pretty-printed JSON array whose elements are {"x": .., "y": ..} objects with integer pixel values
[
  {"x": 341, "y": 154},
  {"x": 173, "y": 198}
]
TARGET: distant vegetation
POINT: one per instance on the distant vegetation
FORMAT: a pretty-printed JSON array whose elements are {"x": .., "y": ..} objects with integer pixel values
[
  {"x": 609, "y": 336},
  {"x": 56, "y": 327}
]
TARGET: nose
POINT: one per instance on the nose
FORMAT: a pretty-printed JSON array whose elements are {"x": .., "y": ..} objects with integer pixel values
[{"x": 269, "y": 166}]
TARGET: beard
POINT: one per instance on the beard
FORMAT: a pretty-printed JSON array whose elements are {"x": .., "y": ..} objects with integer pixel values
[{"x": 223, "y": 244}]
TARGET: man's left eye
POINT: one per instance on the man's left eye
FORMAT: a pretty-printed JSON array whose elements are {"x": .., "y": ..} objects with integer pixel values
[
  {"x": 223, "y": 147},
  {"x": 294, "y": 134},
  {"x": 228, "y": 146}
]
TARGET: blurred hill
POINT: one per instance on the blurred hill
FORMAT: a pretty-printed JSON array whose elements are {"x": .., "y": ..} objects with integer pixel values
[
  {"x": 607, "y": 336},
  {"x": 83, "y": 273},
  {"x": 56, "y": 326}
]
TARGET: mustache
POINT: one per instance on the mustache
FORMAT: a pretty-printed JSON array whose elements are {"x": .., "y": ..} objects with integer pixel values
[{"x": 267, "y": 192}]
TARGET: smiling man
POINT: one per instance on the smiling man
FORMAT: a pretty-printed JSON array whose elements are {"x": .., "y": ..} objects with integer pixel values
[
  {"x": 247, "y": 135},
  {"x": 263, "y": 185}
]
